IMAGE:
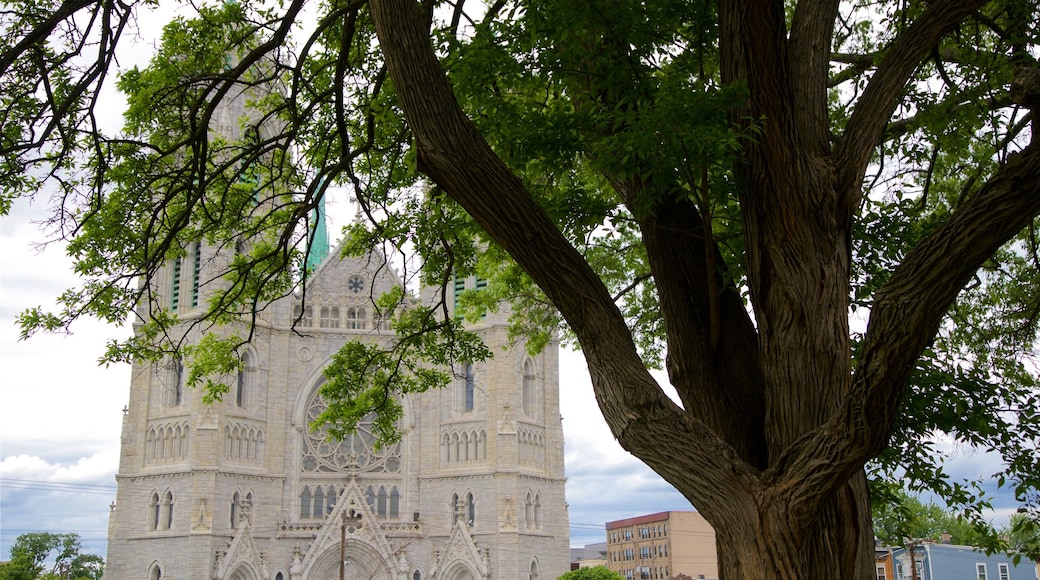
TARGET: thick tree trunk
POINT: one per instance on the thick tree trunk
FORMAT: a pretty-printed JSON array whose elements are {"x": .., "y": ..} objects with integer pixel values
[{"x": 782, "y": 483}]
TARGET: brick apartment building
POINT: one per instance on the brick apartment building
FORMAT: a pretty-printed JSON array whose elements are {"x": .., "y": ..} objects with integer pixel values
[{"x": 662, "y": 546}]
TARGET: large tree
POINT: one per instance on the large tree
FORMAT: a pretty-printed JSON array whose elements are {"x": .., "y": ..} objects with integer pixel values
[
  {"x": 32, "y": 552},
  {"x": 718, "y": 187}
]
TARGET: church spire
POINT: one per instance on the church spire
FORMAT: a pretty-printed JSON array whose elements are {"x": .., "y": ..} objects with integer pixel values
[{"x": 318, "y": 245}]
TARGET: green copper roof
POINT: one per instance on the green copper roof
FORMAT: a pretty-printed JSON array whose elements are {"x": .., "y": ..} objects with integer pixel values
[{"x": 319, "y": 238}]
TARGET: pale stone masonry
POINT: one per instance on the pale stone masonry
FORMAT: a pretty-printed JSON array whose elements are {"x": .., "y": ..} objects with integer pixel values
[
  {"x": 243, "y": 489},
  {"x": 662, "y": 546}
]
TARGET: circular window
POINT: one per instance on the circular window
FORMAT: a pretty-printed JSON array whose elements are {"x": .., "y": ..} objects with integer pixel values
[
  {"x": 357, "y": 451},
  {"x": 355, "y": 284}
]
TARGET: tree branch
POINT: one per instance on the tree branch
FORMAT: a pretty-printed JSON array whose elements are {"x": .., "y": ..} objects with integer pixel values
[
  {"x": 452, "y": 152},
  {"x": 867, "y": 123},
  {"x": 904, "y": 318},
  {"x": 811, "y": 32}
]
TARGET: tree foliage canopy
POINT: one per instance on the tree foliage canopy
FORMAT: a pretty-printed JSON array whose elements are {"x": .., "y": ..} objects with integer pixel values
[
  {"x": 817, "y": 216},
  {"x": 33, "y": 551},
  {"x": 591, "y": 573}
]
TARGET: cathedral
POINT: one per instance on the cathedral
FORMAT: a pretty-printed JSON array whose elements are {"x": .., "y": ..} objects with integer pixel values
[{"x": 245, "y": 489}]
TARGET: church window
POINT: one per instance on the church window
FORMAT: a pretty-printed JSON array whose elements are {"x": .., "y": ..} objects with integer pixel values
[
  {"x": 175, "y": 287},
  {"x": 178, "y": 383},
  {"x": 155, "y": 573},
  {"x": 356, "y": 318},
  {"x": 319, "y": 502},
  {"x": 395, "y": 503},
  {"x": 156, "y": 509},
  {"x": 330, "y": 500},
  {"x": 381, "y": 502},
  {"x": 328, "y": 317},
  {"x": 529, "y": 511},
  {"x": 529, "y": 389},
  {"x": 356, "y": 451},
  {"x": 245, "y": 370},
  {"x": 471, "y": 509},
  {"x": 370, "y": 497},
  {"x": 196, "y": 266},
  {"x": 459, "y": 288},
  {"x": 303, "y": 315},
  {"x": 235, "y": 499},
  {"x": 416, "y": 575},
  {"x": 470, "y": 387},
  {"x": 535, "y": 574},
  {"x": 167, "y": 507},
  {"x": 305, "y": 503},
  {"x": 454, "y": 508},
  {"x": 279, "y": 576}
]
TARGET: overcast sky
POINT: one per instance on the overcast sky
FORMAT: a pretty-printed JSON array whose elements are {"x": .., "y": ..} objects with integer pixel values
[{"x": 60, "y": 413}]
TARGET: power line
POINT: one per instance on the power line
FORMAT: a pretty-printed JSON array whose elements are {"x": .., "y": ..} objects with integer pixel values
[{"x": 29, "y": 484}]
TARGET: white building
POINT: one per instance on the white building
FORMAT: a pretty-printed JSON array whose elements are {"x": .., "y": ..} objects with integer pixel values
[{"x": 244, "y": 489}]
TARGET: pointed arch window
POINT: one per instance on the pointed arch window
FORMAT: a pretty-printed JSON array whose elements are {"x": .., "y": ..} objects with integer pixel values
[
  {"x": 167, "y": 509},
  {"x": 156, "y": 510},
  {"x": 381, "y": 499},
  {"x": 319, "y": 502},
  {"x": 469, "y": 387},
  {"x": 196, "y": 267},
  {"x": 235, "y": 499},
  {"x": 178, "y": 382},
  {"x": 175, "y": 286},
  {"x": 455, "y": 508},
  {"x": 538, "y": 511},
  {"x": 305, "y": 503},
  {"x": 155, "y": 573},
  {"x": 471, "y": 509},
  {"x": 395, "y": 503},
  {"x": 242, "y": 385},
  {"x": 529, "y": 389}
]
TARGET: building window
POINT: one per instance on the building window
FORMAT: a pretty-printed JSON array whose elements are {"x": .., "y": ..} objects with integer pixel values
[
  {"x": 167, "y": 508},
  {"x": 235, "y": 499},
  {"x": 529, "y": 403},
  {"x": 395, "y": 503},
  {"x": 156, "y": 510},
  {"x": 1005, "y": 571},
  {"x": 305, "y": 503},
  {"x": 196, "y": 266},
  {"x": 329, "y": 317},
  {"x": 155, "y": 573},
  {"x": 245, "y": 371},
  {"x": 471, "y": 509},
  {"x": 303, "y": 316},
  {"x": 417, "y": 575},
  {"x": 175, "y": 286},
  {"x": 881, "y": 574},
  {"x": 356, "y": 318},
  {"x": 469, "y": 388},
  {"x": 980, "y": 570}
]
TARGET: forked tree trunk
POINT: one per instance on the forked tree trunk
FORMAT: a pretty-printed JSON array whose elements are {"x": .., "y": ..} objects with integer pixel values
[{"x": 783, "y": 485}]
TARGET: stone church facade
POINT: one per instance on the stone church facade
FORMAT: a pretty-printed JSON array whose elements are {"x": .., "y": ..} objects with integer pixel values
[{"x": 244, "y": 489}]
